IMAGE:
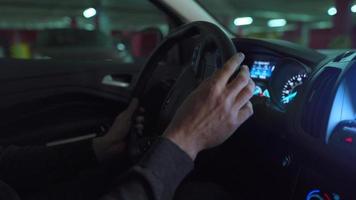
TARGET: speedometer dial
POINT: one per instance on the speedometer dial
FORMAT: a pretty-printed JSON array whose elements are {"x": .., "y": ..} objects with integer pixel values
[
  {"x": 290, "y": 88},
  {"x": 286, "y": 81}
]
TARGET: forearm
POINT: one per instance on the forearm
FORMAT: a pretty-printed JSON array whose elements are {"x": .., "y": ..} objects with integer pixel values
[{"x": 157, "y": 176}]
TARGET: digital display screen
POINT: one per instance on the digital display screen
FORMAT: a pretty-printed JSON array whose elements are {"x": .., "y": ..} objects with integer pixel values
[{"x": 262, "y": 69}]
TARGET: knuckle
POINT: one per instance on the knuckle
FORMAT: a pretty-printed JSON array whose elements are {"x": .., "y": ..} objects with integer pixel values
[
  {"x": 251, "y": 111},
  {"x": 217, "y": 78},
  {"x": 248, "y": 91},
  {"x": 243, "y": 79},
  {"x": 231, "y": 122},
  {"x": 213, "y": 83},
  {"x": 250, "y": 108},
  {"x": 212, "y": 91},
  {"x": 252, "y": 84},
  {"x": 221, "y": 101}
]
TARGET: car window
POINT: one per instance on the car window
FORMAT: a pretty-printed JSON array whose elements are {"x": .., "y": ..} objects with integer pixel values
[
  {"x": 319, "y": 24},
  {"x": 121, "y": 30}
]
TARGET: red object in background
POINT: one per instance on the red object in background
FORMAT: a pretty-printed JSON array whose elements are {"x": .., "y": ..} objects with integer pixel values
[
  {"x": 343, "y": 19},
  {"x": 10, "y": 37},
  {"x": 294, "y": 35},
  {"x": 24, "y": 35},
  {"x": 144, "y": 43},
  {"x": 342, "y": 26},
  {"x": 321, "y": 38},
  {"x": 349, "y": 140},
  {"x": 73, "y": 23}
]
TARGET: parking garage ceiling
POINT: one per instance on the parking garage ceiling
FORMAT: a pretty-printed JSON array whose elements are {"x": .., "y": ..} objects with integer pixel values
[{"x": 34, "y": 14}]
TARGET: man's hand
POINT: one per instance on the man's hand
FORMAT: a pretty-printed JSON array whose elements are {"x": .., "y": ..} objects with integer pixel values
[
  {"x": 213, "y": 112},
  {"x": 113, "y": 143}
]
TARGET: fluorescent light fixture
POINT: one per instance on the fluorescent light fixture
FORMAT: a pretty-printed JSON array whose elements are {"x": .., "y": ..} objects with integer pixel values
[
  {"x": 353, "y": 8},
  {"x": 89, "y": 12},
  {"x": 120, "y": 46},
  {"x": 277, "y": 22},
  {"x": 89, "y": 27},
  {"x": 332, "y": 11},
  {"x": 242, "y": 21}
]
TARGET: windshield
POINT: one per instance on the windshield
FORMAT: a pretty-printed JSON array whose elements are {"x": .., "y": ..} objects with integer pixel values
[
  {"x": 318, "y": 24},
  {"x": 124, "y": 30}
]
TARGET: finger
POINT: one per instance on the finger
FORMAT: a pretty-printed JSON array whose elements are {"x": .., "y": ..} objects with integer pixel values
[
  {"x": 245, "y": 95},
  {"x": 132, "y": 107},
  {"x": 139, "y": 128},
  {"x": 141, "y": 110},
  {"x": 245, "y": 113},
  {"x": 140, "y": 119},
  {"x": 229, "y": 68},
  {"x": 240, "y": 82}
]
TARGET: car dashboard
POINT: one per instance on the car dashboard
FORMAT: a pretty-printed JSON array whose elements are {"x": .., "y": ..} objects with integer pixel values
[
  {"x": 280, "y": 72},
  {"x": 278, "y": 79}
]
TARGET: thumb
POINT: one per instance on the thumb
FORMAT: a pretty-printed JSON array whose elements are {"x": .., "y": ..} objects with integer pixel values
[{"x": 132, "y": 107}]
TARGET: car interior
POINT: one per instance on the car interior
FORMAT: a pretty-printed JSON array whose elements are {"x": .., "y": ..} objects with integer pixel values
[{"x": 67, "y": 71}]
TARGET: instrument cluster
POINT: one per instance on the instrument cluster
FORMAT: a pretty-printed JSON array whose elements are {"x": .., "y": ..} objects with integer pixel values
[{"x": 278, "y": 80}]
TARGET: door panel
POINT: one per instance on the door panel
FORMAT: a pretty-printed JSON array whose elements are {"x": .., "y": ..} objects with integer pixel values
[{"x": 46, "y": 100}]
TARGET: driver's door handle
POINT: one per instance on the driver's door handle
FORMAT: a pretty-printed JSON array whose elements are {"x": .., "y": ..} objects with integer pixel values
[{"x": 116, "y": 81}]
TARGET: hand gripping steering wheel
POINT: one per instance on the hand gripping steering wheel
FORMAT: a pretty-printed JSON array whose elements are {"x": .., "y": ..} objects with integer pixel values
[{"x": 210, "y": 37}]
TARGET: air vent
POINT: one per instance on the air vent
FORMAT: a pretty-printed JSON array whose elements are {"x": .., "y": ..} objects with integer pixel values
[{"x": 316, "y": 106}]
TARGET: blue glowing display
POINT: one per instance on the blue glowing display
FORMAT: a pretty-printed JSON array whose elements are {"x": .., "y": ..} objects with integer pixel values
[
  {"x": 287, "y": 99},
  {"x": 262, "y": 69},
  {"x": 290, "y": 88},
  {"x": 314, "y": 194},
  {"x": 319, "y": 195},
  {"x": 261, "y": 93}
]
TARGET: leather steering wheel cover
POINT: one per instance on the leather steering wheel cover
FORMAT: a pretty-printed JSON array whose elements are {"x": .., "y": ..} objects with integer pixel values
[{"x": 220, "y": 39}]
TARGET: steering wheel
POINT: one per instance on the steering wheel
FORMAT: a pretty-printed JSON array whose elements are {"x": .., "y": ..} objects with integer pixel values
[{"x": 210, "y": 38}]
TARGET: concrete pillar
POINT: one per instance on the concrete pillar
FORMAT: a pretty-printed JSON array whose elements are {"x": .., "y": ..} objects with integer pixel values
[
  {"x": 304, "y": 33},
  {"x": 102, "y": 20}
]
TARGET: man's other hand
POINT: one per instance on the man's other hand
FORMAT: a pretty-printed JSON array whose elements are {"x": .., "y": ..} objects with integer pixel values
[
  {"x": 213, "y": 112},
  {"x": 114, "y": 142}
]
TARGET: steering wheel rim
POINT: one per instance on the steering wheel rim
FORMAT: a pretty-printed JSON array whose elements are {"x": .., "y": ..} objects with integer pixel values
[
  {"x": 182, "y": 33},
  {"x": 209, "y": 34}
]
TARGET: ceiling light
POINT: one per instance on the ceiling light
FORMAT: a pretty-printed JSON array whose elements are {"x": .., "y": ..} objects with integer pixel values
[
  {"x": 242, "y": 21},
  {"x": 120, "y": 46},
  {"x": 89, "y": 12},
  {"x": 353, "y": 8},
  {"x": 332, "y": 11},
  {"x": 89, "y": 27},
  {"x": 277, "y": 22}
]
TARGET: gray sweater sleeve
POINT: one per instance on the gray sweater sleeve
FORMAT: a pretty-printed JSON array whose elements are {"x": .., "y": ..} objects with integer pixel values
[
  {"x": 156, "y": 176},
  {"x": 35, "y": 166}
]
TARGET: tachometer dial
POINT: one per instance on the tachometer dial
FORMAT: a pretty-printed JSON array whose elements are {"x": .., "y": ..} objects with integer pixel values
[{"x": 290, "y": 88}]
